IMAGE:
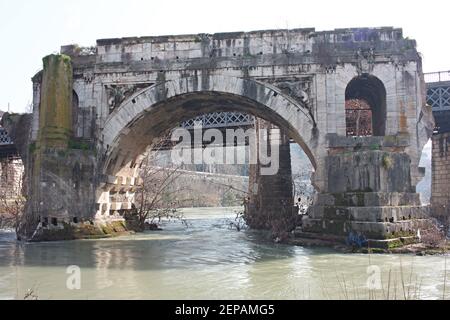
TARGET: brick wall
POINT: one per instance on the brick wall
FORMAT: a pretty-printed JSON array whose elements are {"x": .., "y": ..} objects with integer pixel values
[{"x": 440, "y": 197}]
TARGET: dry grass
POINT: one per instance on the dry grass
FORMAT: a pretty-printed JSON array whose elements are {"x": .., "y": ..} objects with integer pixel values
[{"x": 397, "y": 284}]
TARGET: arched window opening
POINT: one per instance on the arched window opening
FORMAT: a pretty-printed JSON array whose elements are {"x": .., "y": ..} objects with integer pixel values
[{"x": 365, "y": 106}]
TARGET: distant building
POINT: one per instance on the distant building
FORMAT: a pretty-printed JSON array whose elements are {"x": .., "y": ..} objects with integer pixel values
[{"x": 11, "y": 167}]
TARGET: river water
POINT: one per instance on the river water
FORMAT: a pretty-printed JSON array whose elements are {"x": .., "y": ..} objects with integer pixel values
[{"x": 208, "y": 260}]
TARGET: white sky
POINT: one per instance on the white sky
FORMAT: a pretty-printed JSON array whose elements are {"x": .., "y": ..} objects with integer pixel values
[{"x": 31, "y": 29}]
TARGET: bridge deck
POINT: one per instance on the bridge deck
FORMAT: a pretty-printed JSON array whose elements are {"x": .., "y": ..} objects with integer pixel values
[{"x": 438, "y": 96}]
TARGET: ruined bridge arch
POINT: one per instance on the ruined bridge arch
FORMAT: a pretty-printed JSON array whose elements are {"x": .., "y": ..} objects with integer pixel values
[
  {"x": 84, "y": 150},
  {"x": 132, "y": 127}
]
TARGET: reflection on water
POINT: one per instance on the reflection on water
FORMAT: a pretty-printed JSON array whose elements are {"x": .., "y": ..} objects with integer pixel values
[{"x": 207, "y": 260}]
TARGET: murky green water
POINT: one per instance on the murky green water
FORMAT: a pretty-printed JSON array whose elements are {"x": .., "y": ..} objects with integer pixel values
[{"x": 207, "y": 260}]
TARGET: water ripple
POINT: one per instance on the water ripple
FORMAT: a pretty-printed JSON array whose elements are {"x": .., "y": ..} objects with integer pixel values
[{"x": 206, "y": 260}]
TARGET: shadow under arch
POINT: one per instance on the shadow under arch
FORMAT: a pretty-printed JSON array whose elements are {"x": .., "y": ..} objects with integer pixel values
[
  {"x": 75, "y": 108},
  {"x": 131, "y": 128}
]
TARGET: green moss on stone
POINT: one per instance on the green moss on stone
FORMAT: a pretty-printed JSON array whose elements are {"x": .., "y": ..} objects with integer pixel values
[
  {"x": 374, "y": 251},
  {"x": 55, "y": 121},
  {"x": 400, "y": 234},
  {"x": 32, "y": 147},
  {"x": 62, "y": 153},
  {"x": 395, "y": 244},
  {"x": 82, "y": 231},
  {"x": 390, "y": 139},
  {"x": 107, "y": 229},
  {"x": 79, "y": 145},
  {"x": 388, "y": 162}
]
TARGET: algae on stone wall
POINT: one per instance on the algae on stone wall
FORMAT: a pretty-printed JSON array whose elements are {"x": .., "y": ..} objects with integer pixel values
[{"x": 55, "y": 114}]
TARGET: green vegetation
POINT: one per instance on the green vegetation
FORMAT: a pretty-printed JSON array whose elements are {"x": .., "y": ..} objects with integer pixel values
[
  {"x": 400, "y": 234},
  {"x": 79, "y": 145},
  {"x": 83, "y": 231},
  {"x": 56, "y": 122},
  {"x": 64, "y": 58},
  {"x": 32, "y": 147},
  {"x": 388, "y": 162},
  {"x": 62, "y": 153}
]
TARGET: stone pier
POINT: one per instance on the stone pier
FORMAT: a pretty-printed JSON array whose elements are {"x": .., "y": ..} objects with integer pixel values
[
  {"x": 370, "y": 199},
  {"x": 440, "y": 195},
  {"x": 271, "y": 196}
]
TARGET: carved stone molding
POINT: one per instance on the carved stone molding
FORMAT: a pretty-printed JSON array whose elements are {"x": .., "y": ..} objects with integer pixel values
[
  {"x": 298, "y": 89},
  {"x": 366, "y": 60},
  {"x": 88, "y": 76},
  {"x": 118, "y": 93}
]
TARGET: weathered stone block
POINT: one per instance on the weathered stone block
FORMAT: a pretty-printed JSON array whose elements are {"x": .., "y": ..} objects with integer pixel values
[
  {"x": 369, "y": 171},
  {"x": 55, "y": 127},
  {"x": 368, "y": 199}
]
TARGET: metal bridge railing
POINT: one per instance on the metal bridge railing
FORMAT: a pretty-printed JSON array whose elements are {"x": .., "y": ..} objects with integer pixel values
[
  {"x": 438, "y": 97},
  {"x": 220, "y": 120},
  {"x": 4, "y": 138},
  {"x": 438, "y": 91},
  {"x": 440, "y": 76}
]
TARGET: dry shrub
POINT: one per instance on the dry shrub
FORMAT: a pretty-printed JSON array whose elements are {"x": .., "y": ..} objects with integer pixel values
[{"x": 434, "y": 236}]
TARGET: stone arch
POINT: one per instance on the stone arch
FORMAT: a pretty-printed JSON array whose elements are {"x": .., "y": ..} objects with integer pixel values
[
  {"x": 144, "y": 116},
  {"x": 368, "y": 94}
]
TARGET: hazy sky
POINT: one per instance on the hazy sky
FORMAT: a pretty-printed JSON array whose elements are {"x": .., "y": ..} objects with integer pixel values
[{"x": 32, "y": 29}]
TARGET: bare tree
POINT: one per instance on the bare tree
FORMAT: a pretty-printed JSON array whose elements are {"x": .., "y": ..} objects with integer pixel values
[
  {"x": 12, "y": 201},
  {"x": 159, "y": 195},
  {"x": 11, "y": 212},
  {"x": 303, "y": 191},
  {"x": 31, "y": 295}
]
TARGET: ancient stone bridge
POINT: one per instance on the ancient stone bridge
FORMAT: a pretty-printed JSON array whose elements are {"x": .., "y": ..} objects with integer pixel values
[{"x": 97, "y": 110}]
